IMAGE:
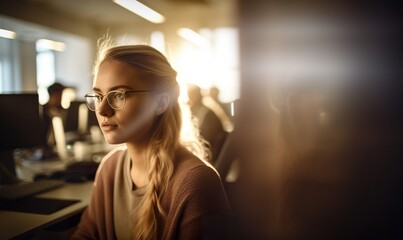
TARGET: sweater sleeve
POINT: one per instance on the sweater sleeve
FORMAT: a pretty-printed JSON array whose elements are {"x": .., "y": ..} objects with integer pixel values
[
  {"x": 87, "y": 228},
  {"x": 97, "y": 220},
  {"x": 205, "y": 212}
]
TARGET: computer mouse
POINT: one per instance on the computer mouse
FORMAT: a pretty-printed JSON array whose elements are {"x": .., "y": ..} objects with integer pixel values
[
  {"x": 41, "y": 176},
  {"x": 74, "y": 178}
]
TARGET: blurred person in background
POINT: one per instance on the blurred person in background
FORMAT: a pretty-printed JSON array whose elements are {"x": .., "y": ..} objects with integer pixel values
[
  {"x": 53, "y": 108},
  {"x": 209, "y": 124},
  {"x": 222, "y": 110}
]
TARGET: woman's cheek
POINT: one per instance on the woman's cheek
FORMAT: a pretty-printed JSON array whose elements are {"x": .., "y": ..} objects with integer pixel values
[{"x": 137, "y": 124}]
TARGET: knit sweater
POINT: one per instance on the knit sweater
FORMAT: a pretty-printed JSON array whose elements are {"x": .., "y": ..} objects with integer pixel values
[{"x": 195, "y": 204}]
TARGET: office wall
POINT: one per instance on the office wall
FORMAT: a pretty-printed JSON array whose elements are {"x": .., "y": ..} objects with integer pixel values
[
  {"x": 37, "y": 13},
  {"x": 33, "y": 21},
  {"x": 73, "y": 65}
]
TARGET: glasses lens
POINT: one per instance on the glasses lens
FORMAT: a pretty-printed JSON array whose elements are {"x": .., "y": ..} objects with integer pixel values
[
  {"x": 92, "y": 101},
  {"x": 116, "y": 99}
]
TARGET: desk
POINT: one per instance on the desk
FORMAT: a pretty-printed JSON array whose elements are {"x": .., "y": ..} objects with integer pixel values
[{"x": 17, "y": 224}]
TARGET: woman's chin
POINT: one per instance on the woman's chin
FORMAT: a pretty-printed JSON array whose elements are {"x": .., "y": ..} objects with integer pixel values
[{"x": 113, "y": 141}]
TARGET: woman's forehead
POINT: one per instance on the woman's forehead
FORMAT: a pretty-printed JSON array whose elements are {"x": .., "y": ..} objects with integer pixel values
[
  {"x": 116, "y": 67},
  {"x": 115, "y": 73}
]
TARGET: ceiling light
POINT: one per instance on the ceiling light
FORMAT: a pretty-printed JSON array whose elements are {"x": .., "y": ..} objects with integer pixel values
[
  {"x": 141, "y": 10},
  {"x": 193, "y": 37},
  {"x": 52, "y": 45},
  {"x": 7, "y": 34}
]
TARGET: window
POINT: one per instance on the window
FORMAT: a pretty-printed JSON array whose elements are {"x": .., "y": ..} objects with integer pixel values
[
  {"x": 9, "y": 79},
  {"x": 45, "y": 70}
]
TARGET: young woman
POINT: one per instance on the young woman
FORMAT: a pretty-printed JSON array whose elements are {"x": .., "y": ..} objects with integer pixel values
[{"x": 152, "y": 187}]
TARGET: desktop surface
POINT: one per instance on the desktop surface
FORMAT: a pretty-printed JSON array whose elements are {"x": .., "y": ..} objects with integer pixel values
[
  {"x": 19, "y": 224},
  {"x": 12, "y": 192},
  {"x": 62, "y": 204}
]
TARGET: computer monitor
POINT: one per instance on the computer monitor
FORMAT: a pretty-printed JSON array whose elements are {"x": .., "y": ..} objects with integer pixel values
[
  {"x": 21, "y": 126},
  {"x": 79, "y": 119}
]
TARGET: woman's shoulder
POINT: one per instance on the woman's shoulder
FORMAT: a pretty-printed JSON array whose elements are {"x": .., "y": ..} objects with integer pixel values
[
  {"x": 189, "y": 169},
  {"x": 114, "y": 155},
  {"x": 110, "y": 160},
  {"x": 196, "y": 185}
]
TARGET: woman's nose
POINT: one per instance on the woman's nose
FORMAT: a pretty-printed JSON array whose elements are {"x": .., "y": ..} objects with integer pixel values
[{"x": 104, "y": 109}]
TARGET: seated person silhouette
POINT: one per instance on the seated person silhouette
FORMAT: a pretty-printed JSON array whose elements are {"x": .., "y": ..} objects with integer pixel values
[
  {"x": 209, "y": 124},
  {"x": 52, "y": 109}
]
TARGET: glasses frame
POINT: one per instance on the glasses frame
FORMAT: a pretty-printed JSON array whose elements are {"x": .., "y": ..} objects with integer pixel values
[{"x": 107, "y": 99}]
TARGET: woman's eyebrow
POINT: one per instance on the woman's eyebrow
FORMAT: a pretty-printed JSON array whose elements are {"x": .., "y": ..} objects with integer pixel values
[
  {"x": 113, "y": 88},
  {"x": 120, "y": 87},
  {"x": 96, "y": 89}
]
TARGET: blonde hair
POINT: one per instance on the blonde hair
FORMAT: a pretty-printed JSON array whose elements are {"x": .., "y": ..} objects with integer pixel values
[{"x": 154, "y": 68}]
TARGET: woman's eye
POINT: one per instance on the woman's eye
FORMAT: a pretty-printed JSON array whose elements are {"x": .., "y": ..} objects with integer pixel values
[
  {"x": 98, "y": 98},
  {"x": 119, "y": 96}
]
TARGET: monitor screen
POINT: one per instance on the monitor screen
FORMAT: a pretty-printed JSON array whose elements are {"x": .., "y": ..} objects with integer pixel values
[
  {"x": 21, "y": 125},
  {"x": 75, "y": 117}
]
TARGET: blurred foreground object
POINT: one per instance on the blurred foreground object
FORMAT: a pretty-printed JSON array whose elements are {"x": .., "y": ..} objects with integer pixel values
[{"x": 320, "y": 122}]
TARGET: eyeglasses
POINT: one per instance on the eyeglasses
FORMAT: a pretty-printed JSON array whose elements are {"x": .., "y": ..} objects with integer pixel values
[{"x": 116, "y": 99}]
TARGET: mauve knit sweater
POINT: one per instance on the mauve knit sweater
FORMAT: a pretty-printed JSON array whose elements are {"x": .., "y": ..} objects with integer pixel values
[{"x": 195, "y": 203}]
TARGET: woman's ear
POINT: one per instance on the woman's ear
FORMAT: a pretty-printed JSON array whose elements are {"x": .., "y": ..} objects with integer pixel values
[{"x": 163, "y": 103}]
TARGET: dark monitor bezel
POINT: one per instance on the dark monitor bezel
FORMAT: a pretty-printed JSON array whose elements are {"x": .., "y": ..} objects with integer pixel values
[{"x": 21, "y": 122}]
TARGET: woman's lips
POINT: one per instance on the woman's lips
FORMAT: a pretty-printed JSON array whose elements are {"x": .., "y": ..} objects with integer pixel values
[{"x": 107, "y": 126}]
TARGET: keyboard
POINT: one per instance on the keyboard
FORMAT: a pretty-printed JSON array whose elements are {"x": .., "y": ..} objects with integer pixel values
[
  {"x": 74, "y": 172},
  {"x": 26, "y": 189}
]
